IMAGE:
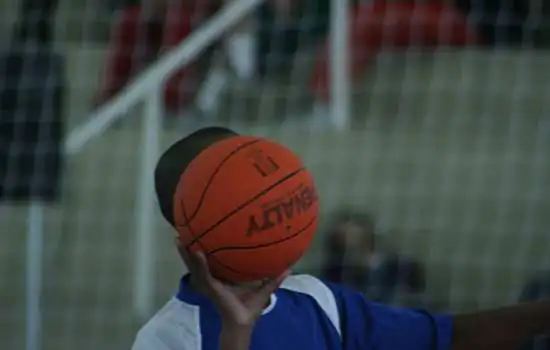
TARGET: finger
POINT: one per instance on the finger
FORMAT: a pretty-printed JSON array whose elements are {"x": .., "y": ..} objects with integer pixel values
[
  {"x": 196, "y": 264},
  {"x": 189, "y": 259},
  {"x": 272, "y": 285},
  {"x": 183, "y": 252},
  {"x": 258, "y": 299},
  {"x": 200, "y": 265}
]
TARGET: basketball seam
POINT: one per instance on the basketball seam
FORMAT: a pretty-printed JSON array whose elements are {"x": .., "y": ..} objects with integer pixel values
[
  {"x": 189, "y": 218},
  {"x": 240, "y": 207},
  {"x": 211, "y": 180},
  {"x": 184, "y": 212},
  {"x": 261, "y": 245},
  {"x": 247, "y": 273},
  {"x": 218, "y": 261}
]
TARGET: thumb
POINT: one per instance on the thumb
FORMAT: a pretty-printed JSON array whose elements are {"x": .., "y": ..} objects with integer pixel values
[
  {"x": 273, "y": 284},
  {"x": 268, "y": 288}
]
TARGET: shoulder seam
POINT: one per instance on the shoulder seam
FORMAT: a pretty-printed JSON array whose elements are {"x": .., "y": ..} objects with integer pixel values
[{"x": 319, "y": 292}]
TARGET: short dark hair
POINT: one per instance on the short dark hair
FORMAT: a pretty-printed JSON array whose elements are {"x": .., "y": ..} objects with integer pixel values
[
  {"x": 174, "y": 161},
  {"x": 362, "y": 219},
  {"x": 359, "y": 218}
]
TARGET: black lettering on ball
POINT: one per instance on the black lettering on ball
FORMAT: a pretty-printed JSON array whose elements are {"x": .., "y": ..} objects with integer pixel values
[{"x": 283, "y": 211}]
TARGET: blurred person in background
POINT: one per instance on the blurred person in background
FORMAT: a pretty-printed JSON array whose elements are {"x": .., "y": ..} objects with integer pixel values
[
  {"x": 391, "y": 25},
  {"x": 235, "y": 56},
  {"x": 352, "y": 257},
  {"x": 284, "y": 31},
  {"x": 244, "y": 52},
  {"x": 502, "y": 22},
  {"x": 141, "y": 34},
  {"x": 267, "y": 41},
  {"x": 538, "y": 288},
  {"x": 399, "y": 25},
  {"x": 32, "y": 97}
]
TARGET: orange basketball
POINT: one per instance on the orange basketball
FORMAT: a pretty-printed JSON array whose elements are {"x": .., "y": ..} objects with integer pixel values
[{"x": 250, "y": 205}]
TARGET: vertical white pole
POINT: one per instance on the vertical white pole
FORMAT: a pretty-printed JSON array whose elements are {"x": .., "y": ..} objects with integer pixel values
[
  {"x": 144, "y": 277},
  {"x": 339, "y": 63},
  {"x": 33, "y": 292}
]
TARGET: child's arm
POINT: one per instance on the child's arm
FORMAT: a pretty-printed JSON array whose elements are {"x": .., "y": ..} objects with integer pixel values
[
  {"x": 235, "y": 338},
  {"x": 375, "y": 326},
  {"x": 505, "y": 328}
]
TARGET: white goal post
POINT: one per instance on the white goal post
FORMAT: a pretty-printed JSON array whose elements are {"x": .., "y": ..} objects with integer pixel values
[{"x": 147, "y": 87}]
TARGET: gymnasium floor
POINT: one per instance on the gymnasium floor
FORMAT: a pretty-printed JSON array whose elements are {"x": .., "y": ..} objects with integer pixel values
[{"x": 450, "y": 152}]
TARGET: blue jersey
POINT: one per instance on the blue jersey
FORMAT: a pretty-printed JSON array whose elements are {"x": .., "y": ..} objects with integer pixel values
[{"x": 304, "y": 313}]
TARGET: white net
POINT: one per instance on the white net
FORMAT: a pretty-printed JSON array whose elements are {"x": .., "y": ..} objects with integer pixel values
[{"x": 448, "y": 150}]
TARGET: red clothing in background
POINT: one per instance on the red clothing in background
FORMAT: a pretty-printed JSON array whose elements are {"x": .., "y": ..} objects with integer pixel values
[
  {"x": 136, "y": 41},
  {"x": 379, "y": 26}
]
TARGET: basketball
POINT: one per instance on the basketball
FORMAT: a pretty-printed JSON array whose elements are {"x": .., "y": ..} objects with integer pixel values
[{"x": 249, "y": 205}]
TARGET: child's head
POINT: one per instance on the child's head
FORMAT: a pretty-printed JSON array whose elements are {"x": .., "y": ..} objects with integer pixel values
[
  {"x": 247, "y": 202},
  {"x": 352, "y": 231}
]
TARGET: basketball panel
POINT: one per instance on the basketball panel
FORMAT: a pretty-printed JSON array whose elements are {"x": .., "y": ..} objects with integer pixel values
[
  {"x": 244, "y": 177},
  {"x": 269, "y": 261},
  {"x": 195, "y": 182},
  {"x": 273, "y": 216}
]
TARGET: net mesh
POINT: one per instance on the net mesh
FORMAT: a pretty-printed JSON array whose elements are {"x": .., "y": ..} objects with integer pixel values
[{"x": 448, "y": 150}]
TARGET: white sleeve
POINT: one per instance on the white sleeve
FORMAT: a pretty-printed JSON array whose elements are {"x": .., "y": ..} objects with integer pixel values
[
  {"x": 145, "y": 341},
  {"x": 174, "y": 327}
]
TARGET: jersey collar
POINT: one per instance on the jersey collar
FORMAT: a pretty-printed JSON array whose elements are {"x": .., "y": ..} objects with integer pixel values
[{"x": 187, "y": 295}]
